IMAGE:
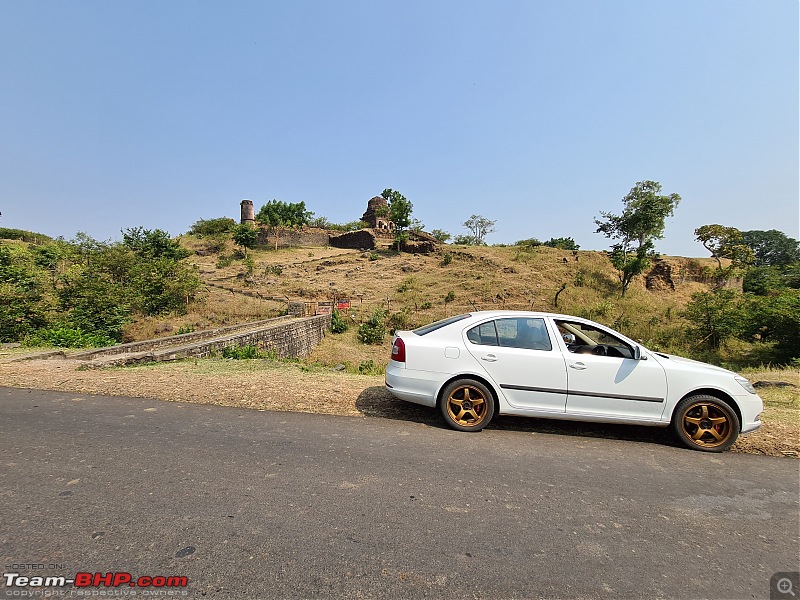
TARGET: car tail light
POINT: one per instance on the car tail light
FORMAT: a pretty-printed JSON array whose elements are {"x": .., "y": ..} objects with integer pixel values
[{"x": 399, "y": 350}]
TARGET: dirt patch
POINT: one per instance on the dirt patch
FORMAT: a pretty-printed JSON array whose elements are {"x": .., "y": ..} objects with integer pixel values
[{"x": 266, "y": 385}]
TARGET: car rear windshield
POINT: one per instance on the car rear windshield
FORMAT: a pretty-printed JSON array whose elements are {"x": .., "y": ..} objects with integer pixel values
[{"x": 439, "y": 324}]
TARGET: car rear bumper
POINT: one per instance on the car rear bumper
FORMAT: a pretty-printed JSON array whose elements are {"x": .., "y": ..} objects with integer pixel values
[{"x": 420, "y": 387}]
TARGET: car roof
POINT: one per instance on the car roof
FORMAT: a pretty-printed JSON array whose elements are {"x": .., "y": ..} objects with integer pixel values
[{"x": 518, "y": 313}]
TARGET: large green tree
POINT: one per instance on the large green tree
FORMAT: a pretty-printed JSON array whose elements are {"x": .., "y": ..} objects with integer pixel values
[
  {"x": 642, "y": 221},
  {"x": 725, "y": 242},
  {"x": 771, "y": 248},
  {"x": 283, "y": 215},
  {"x": 399, "y": 213}
]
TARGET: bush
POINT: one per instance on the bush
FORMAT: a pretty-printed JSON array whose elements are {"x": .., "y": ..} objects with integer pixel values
[
  {"x": 406, "y": 285},
  {"x": 242, "y": 352},
  {"x": 212, "y": 226},
  {"x": 374, "y": 256},
  {"x": 373, "y": 330},
  {"x": 451, "y": 295},
  {"x": 224, "y": 261},
  {"x": 447, "y": 259},
  {"x": 68, "y": 337},
  {"x": 564, "y": 243},
  {"x": 368, "y": 367},
  {"x": 399, "y": 321},
  {"x": 338, "y": 323}
]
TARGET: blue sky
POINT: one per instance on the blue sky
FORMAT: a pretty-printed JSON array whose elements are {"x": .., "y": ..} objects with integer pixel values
[{"x": 536, "y": 114}]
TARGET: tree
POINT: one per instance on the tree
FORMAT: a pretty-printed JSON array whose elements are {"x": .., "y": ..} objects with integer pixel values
[
  {"x": 725, "y": 242},
  {"x": 399, "y": 213},
  {"x": 246, "y": 236},
  {"x": 154, "y": 243},
  {"x": 715, "y": 316},
  {"x": 441, "y": 235},
  {"x": 771, "y": 248},
  {"x": 280, "y": 215},
  {"x": 641, "y": 223},
  {"x": 776, "y": 317},
  {"x": 479, "y": 227},
  {"x": 563, "y": 243}
]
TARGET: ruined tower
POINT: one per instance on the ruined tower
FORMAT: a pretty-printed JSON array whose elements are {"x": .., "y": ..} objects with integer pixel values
[
  {"x": 376, "y": 215},
  {"x": 248, "y": 213}
]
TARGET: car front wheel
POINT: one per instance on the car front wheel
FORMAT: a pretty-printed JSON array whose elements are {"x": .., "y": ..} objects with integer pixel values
[
  {"x": 467, "y": 405},
  {"x": 705, "y": 423}
]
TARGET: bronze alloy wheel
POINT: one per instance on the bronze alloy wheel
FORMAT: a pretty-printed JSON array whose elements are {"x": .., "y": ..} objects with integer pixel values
[
  {"x": 706, "y": 423},
  {"x": 467, "y": 405}
]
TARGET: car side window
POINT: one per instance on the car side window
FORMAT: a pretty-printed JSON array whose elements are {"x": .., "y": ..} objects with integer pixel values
[
  {"x": 529, "y": 334},
  {"x": 585, "y": 339},
  {"x": 484, "y": 334}
]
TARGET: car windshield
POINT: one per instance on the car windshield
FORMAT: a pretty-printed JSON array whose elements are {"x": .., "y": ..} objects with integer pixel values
[{"x": 426, "y": 329}]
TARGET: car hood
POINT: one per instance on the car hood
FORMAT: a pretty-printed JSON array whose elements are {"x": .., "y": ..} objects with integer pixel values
[{"x": 668, "y": 360}]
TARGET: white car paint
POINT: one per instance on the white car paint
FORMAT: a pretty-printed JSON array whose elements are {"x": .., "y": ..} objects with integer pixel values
[{"x": 558, "y": 383}]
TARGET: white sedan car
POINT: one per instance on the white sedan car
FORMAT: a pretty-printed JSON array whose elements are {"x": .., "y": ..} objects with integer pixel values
[{"x": 533, "y": 364}]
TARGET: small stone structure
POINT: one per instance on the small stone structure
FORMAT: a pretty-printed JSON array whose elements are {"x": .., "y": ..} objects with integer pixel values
[
  {"x": 248, "y": 213},
  {"x": 376, "y": 215},
  {"x": 363, "y": 239},
  {"x": 418, "y": 247}
]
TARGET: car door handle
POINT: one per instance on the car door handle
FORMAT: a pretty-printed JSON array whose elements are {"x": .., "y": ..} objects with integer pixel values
[
  {"x": 489, "y": 358},
  {"x": 578, "y": 366}
]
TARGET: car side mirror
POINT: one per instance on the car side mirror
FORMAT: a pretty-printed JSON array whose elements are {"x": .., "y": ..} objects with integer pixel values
[{"x": 637, "y": 354}]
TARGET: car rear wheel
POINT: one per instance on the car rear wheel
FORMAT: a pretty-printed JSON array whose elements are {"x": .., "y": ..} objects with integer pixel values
[
  {"x": 705, "y": 423},
  {"x": 467, "y": 405}
]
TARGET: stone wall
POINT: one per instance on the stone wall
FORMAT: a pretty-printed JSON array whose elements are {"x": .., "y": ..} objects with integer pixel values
[
  {"x": 292, "y": 339},
  {"x": 292, "y": 238},
  {"x": 289, "y": 338},
  {"x": 176, "y": 340}
]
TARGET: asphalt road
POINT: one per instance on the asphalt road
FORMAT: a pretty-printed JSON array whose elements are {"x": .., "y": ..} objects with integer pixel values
[{"x": 250, "y": 504}]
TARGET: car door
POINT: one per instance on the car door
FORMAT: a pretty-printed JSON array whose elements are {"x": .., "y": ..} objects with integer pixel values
[
  {"x": 604, "y": 378},
  {"x": 519, "y": 356}
]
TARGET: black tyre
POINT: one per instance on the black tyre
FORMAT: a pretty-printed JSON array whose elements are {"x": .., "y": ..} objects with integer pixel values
[
  {"x": 467, "y": 405},
  {"x": 705, "y": 423}
]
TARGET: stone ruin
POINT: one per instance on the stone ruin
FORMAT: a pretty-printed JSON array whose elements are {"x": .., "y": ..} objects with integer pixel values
[
  {"x": 376, "y": 215},
  {"x": 379, "y": 227},
  {"x": 248, "y": 213}
]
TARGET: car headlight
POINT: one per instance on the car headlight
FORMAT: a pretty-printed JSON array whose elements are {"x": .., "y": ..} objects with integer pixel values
[{"x": 745, "y": 384}]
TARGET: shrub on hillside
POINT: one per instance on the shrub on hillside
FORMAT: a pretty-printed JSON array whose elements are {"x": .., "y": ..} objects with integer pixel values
[
  {"x": 338, "y": 323},
  {"x": 373, "y": 330},
  {"x": 204, "y": 227}
]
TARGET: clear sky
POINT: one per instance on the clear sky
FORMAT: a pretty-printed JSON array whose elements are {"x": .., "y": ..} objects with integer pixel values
[{"x": 538, "y": 114}]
